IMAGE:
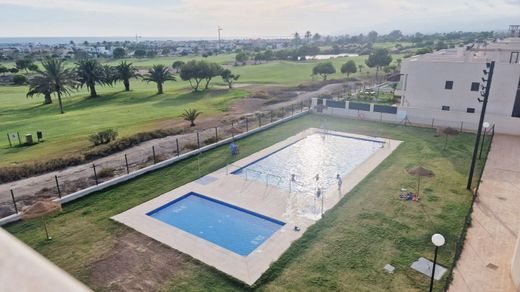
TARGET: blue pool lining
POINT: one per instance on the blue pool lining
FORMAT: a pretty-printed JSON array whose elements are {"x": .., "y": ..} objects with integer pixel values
[
  {"x": 235, "y": 172},
  {"x": 215, "y": 201}
]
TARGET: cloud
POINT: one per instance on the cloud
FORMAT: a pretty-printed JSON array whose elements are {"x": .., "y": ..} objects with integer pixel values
[{"x": 254, "y": 17}]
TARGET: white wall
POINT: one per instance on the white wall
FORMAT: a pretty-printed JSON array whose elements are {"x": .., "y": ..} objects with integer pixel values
[
  {"x": 425, "y": 117},
  {"x": 425, "y": 80}
]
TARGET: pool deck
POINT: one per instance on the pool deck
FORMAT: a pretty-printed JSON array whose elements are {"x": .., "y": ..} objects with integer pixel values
[{"x": 251, "y": 195}]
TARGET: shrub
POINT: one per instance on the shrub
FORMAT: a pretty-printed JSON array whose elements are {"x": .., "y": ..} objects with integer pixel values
[
  {"x": 190, "y": 146},
  {"x": 12, "y": 173},
  {"x": 19, "y": 80},
  {"x": 210, "y": 141},
  {"x": 103, "y": 137},
  {"x": 106, "y": 172}
]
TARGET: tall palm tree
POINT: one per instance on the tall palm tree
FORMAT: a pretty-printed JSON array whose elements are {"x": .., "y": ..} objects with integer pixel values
[
  {"x": 54, "y": 78},
  {"x": 159, "y": 74},
  {"x": 124, "y": 71},
  {"x": 90, "y": 73}
]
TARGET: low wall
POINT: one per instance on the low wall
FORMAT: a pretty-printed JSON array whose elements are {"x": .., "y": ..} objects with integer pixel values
[
  {"x": 416, "y": 116},
  {"x": 159, "y": 165}
]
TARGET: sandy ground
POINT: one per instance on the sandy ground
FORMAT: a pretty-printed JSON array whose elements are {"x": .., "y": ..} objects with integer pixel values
[
  {"x": 72, "y": 179},
  {"x": 485, "y": 262}
]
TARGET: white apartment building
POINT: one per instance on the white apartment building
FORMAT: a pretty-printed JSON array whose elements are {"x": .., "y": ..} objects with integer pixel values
[{"x": 450, "y": 81}]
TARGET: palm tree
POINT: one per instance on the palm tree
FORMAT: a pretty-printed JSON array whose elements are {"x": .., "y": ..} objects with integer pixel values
[
  {"x": 191, "y": 115},
  {"x": 90, "y": 73},
  {"x": 159, "y": 74},
  {"x": 124, "y": 72},
  {"x": 40, "y": 85},
  {"x": 54, "y": 78}
]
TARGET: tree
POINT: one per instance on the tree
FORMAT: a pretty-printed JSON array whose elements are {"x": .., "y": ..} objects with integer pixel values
[
  {"x": 360, "y": 67},
  {"x": 177, "y": 65},
  {"x": 241, "y": 58},
  {"x": 316, "y": 37},
  {"x": 19, "y": 80},
  {"x": 23, "y": 64},
  {"x": 372, "y": 36},
  {"x": 378, "y": 58},
  {"x": 159, "y": 74},
  {"x": 90, "y": 72},
  {"x": 190, "y": 115},
  {"x": 349, "y": 67},
  {"x": 40, "y": 85},
  {"x": 324, "y": 69},
  {"x": 55, "y": 78},
  {"x": 213, "y": 70},
  {"x": 118, "y": 53},
  {"x": 196, "y": 71},
  {"x": 296, "y": 39},
  {"x": 229, "y": 77},
  {"x": 307, "y": 36},
  {"x": 3, "y": 70},
  {"x": 124, "y": 71},
  {"x": 139, "y": 53}
]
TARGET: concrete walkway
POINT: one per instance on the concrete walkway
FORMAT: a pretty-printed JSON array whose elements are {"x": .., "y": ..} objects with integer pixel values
[{"x": 485, "y": 263}]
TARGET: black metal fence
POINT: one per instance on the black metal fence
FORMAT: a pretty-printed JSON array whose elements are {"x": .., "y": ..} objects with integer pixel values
[{"x": 79, "y": 177}]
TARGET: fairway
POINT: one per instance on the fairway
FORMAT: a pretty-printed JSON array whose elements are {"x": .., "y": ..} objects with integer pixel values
[
  {"x": 135, "y": 111},
  {"x": 346, "y": 250}
]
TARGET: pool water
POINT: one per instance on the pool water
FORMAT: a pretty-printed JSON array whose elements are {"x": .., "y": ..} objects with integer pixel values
[
  {"x": 238, "y": 230},
  {"x": 325, "y": 155}
]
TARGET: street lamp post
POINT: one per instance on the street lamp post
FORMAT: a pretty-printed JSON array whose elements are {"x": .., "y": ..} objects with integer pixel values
[
  {"x": 486, "y": 126},
  {"x": 485, "y": 93},
  {"x": 437, "y": 240}
]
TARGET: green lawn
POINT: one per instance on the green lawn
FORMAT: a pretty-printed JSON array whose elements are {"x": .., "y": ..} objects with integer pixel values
[
  {"x": 346, "y": 250},
  {"x": 129, "y": 112}
]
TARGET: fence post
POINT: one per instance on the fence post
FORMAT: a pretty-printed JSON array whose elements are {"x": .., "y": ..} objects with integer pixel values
[
  {"x": 433, "y": 121},
  {"x": 19, "y": 140},
  {"x": 461, "y": 125},
  {"x": 292, "y": 109},
  {"x": 247, "y": 124},
  {"x": 259, "y": 121},
  {"x": 271, "y": 113},
  {"x": 198, "y": 141},
  {"x": 95, "y": 173},
  {"x": 153, "y": 154},
  {"x": 57, "y": 186},
  {"x": 14, "y": 202},
  {"x": 216, "y": 134},
  {"x": 9, "y": 139},
  {"x": 301, "y": 106},
  {"x": 283, "y": 111},
  {"x": 126, "y": 163},
  {"x": 178, "y": 151}
]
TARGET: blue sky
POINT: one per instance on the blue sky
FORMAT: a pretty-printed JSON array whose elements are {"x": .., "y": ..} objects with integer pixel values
[{"x": 249, "y": 18}]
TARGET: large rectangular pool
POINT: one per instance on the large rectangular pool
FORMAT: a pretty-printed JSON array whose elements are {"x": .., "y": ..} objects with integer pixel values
[
  {"x": 236, "y": 229},
  {"x": 317, "y": 155}
]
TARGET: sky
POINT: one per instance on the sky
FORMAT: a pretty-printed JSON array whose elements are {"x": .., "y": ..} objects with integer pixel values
[{"x": 249, "y": 18}]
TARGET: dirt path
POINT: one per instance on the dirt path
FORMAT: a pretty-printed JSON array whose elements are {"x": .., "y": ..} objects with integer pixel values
[
  {"x": 81, "y": 176},
  {"x": 485, "y": 262}
]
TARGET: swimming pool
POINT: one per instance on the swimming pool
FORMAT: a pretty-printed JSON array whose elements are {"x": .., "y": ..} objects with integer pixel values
[
  {"x": 238, "y": 230},
  {"x": 325, "y": 155}
]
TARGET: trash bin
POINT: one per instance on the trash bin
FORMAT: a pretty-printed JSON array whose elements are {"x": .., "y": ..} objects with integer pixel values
[
  {"x": 28, "y": 139},
  {"x": 39, "y": 135}
]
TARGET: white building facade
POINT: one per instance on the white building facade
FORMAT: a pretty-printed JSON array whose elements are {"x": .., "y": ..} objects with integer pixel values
[{"x": 450, "y": 81}]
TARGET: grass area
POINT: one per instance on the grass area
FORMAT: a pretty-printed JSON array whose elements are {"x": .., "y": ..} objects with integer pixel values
[
  {"x": 130, "y": 112},
  {"x": 126, "y": 112},
  {"x": 346, "y": 250}
]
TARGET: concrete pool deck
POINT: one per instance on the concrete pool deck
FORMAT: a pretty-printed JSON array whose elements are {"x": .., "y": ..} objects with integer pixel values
[{"x": 255, "y": 196}]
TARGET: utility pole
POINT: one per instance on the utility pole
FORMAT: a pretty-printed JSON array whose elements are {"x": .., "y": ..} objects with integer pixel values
[
  {"x": 486, "y": 87},
  {"x": 219, "y": 44}
]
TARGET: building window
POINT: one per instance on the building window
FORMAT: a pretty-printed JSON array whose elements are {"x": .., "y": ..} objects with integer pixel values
[
  {"x": 475, "y": 86},
  {"x": 448, "y": 85},
  {"x": 470, "y": 110},
  {"x": 445, "y": 108}
]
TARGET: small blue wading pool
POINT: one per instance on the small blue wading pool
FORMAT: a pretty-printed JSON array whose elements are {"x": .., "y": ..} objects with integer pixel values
[{"x": 233, "y": 228}]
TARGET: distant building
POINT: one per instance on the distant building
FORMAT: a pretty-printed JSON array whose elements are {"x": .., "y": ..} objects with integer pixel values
[{"x": 450, "y": 80}]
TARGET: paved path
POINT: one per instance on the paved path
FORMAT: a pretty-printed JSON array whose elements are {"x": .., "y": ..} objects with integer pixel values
[{"x": 485, "y": 263}]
